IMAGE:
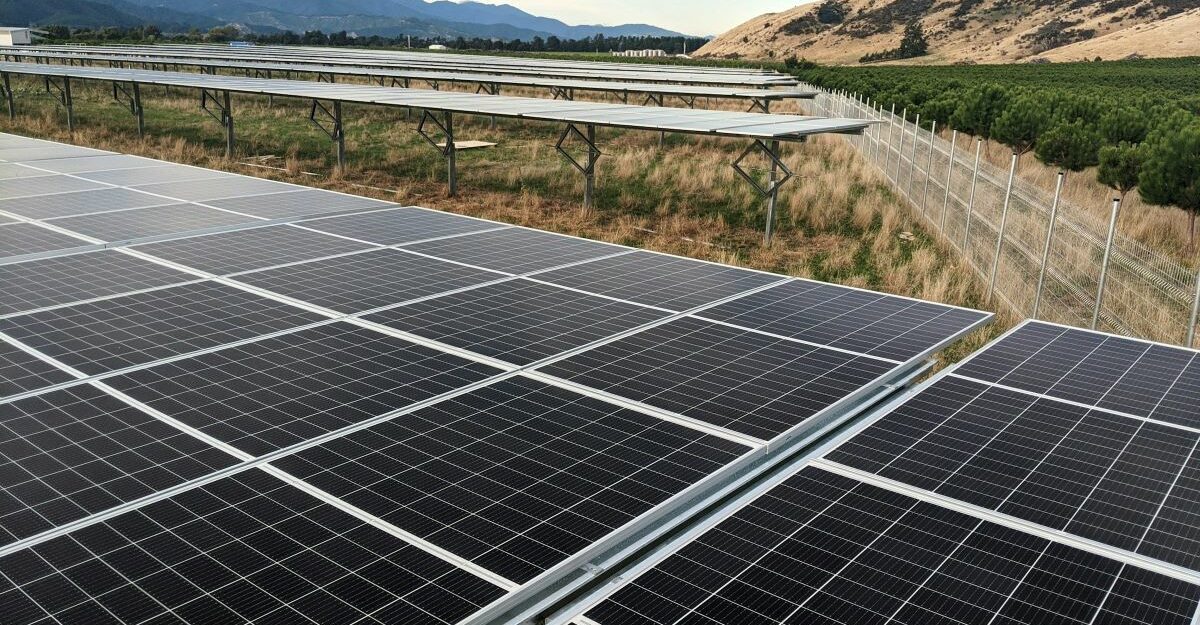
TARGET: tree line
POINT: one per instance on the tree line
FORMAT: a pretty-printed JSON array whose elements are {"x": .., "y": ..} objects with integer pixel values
[
  {"x": 152, "y": 34},
  {"x": 1145, "y": 136}
]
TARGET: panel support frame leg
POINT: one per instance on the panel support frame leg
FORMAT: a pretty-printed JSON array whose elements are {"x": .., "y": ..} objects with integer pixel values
[
  {"x": 63, "y": 97},
  {"x": 224, "y": 115},
  {"x": 131, "y": 98},
  {"x": 446, "y": 127},
  {"x": 588, "y": 167},
  {"x": 770, "y": 191},
  {"x": 335, "y": 130},
  {"x": 6, "y": 86}
]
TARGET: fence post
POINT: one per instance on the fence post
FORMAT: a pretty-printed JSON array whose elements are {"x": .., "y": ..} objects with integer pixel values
[
  {"x": 949, "y": 173},
  {"x": 912, "y": 158},
  {"x": 887, "y": 151},
  {"x": 1191, "y": 333},
  {"x": 900, "y": 151},
  {"x": 1037, "y": 296},
  {"x": 971, "y": 201},
  {"x": 928, "y": 167},
  {"x": 1112, "y": 232},
  {"x": 1012, "y": 172}
]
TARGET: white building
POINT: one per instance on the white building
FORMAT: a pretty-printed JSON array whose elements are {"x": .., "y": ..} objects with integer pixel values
[
  {"x": 438, "y": 46},
  {"x": 641, "y": 53},
  {"x": 14, "y": 36}
]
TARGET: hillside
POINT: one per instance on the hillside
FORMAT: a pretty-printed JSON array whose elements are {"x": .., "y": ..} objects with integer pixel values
[
  {"x": 365, "y": 17},
  {"x": 966, "y": 31}
]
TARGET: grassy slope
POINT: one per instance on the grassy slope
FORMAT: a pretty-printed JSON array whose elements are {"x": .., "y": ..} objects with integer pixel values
[{"x": 839, "y": 222}]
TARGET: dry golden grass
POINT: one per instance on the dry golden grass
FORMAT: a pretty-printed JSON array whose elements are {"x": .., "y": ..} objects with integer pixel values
[{"x": 838, "y": 222}]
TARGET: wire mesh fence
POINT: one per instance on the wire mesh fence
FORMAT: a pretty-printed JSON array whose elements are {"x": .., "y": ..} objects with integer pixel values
[{"x": 1000, "y": 225}]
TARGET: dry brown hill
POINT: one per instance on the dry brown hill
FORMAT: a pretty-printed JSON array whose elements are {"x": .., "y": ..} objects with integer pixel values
[{"x": 966, "y": 31}]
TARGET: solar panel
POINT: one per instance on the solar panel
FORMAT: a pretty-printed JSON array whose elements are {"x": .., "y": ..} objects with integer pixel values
[
  {"x": 400, "y": 225},
  {"x": 204, "y": 190},
  {"x": 26, "y": 238},
  {"x": 22, "y": 187},
  {"x": 80, "y": 161},
  {"x": 105, "y": 335},
  {"x": 150, "y": 175},
  {"x": 516, "y": 250},
  {"x": 359, "y": 282},
  {"x": 515, "y": 477},
  {"x": 659, "y": 280},
  {"x": 518, "y": 321},
  {"x": 282, "y": 390},
  {"x": 245, "y": 548},
  {"x": 141, "y": 223},
  {"x": 21, "y": 371},
  {"x": 9, "y": 171},
  {"x": 77, "y": 451},
  {"x": 863, "y": 321},
  {"x": 63, "y": 279},
  {"x": 822, "y": 548},
  {"x": 748, "y": 382},
  {"x": 80, "y": 203},
  {"x": 292, "y": 202},
  {"x": 250, "y": 249}
]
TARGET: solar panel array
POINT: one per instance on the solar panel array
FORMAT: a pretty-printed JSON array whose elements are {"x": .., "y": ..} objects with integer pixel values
[
  {"x": 220, "y": 406},
  {"x": 1052, "y": 477}
]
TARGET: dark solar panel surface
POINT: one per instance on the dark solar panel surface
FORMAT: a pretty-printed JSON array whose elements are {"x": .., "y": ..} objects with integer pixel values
[
  {"x": 518, "y": 321},
  {"x": 22, "y": 187},
  {"x": 282, "y": 390},
  {"x": 150, "y": 222},
  {"x": 860, "y": 321},
  {"x": 516, "y": 250},
  {"x": 63, "y": 279},
  {"x": 400, "y": 225},
  {"x": 205, "y": 190},
  {"x": 250, "y": 249},
  {"x": 25, "y": 238},
  {"x": 291, "y": 202},
  {"x": 748, "y": 382},
  {"x": 369, "y": 280},
  {"x": 516, "y": 476},
  {"x": 81, "y": 202},
  {"x": 150, "y": 175},
  {"x": 246, "y": 548},
  {"x": 21, "y": 371},
  {"x": 115, "y": 333},
  {"x": 73, "y": 452},
  {"x": 658, "y": 280},
  {"x": 821, "y": 548}
]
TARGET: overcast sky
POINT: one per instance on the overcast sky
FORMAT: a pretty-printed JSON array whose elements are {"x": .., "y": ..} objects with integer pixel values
[{"x": 694, "y": 17}]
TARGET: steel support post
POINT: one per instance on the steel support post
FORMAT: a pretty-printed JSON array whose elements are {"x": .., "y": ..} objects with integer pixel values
[
  {"x": 228, "y": 114},
  {"x": 1112, "y": 233},
  {"x": 8, "y": 96},
  {"x": 770, "y": 192},
  {"x": 63, "y": 96},
  {"x": 446, "y": 126},
  {"x": 335, "y": 131},
  {"x": 1191, "y": 333},
  {"x": 928, "y": 168},
  {"x": 971, "y": 200},
  {"x": 1012, "y": 172},
  {"x": 1037, "y": 296},
  {"x": 949, "y": 175},
  {"x": 588, "y": 166}
]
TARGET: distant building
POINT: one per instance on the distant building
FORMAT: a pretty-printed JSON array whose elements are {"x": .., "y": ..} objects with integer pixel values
[
  {"x": 14, "y": 36},
  {"x": 438, "y": 46},
  {"x": 641, "y": 53}
]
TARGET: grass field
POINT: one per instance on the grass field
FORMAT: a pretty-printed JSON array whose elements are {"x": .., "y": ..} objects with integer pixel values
[{"x": 839, "y": 222}]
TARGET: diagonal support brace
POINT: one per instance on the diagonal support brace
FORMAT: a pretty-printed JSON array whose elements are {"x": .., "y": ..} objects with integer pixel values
[
  {"x": 769, "y": 191},
  {"x": 588, "y": 167},
  {"x": 223, "y": 114},
  {"x": 329, "y": 121},
  {"x": 7, "y": 92},
  {"x": 131, "y": 97},
  {"x": 446, "y": 127},
  {"x": 62, "y": 93}
]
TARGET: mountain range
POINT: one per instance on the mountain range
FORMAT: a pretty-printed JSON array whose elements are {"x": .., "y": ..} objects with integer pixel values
[
  {"x": 363, "y": 17},
  {"x": 969, "y": 31}
]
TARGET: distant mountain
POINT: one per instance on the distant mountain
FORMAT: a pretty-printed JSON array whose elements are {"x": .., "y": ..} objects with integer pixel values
[{"x": 364, "y": 17}]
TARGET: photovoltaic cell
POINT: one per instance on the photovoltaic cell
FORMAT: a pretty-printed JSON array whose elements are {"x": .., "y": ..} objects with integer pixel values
[
  {"x": 250, "y": 249},
  {"x": 41, "y": 185},
  {"x": 80, "y": 202},
  {"x": 150, "y": 175},
  {"x": 400, "y": 225},
  {"x": 516, "y": 250},
  {"x": 150, "y": 222},
  {"x": 821, "y": 548},
  {"x": 105, "y": 335},
  {"x": 73, "y": 452},
  {"x": 748, "y": 382},
  {"x": 369, "y": 280},
  {"x": 518, "y": 321},
  {"x": 64, "y": 279},
  {"x": 279, "y": 391},
  {"x": 10, "y": 171},
  {"x": 861, "y": 321},
  {"x": 24, "y": 238},
  {"x": 296, "y": 202},
  {"x": 515, "y": 477},
  {"x": 21, "y": 371},
  {"x": 246, "y": 548},
  {"x": 659, "y": 280},
  {"x": 1143, "y": 379},
  {"x": 205, "y": 190},
  {"x": 101, "y": 161}
]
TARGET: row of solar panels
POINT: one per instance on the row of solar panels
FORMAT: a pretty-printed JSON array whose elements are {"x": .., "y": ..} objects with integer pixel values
[
  {"x": 96, "y": 55},
  {"x": 397, "y": 415},
  {"x": 523, "y": 66}
]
